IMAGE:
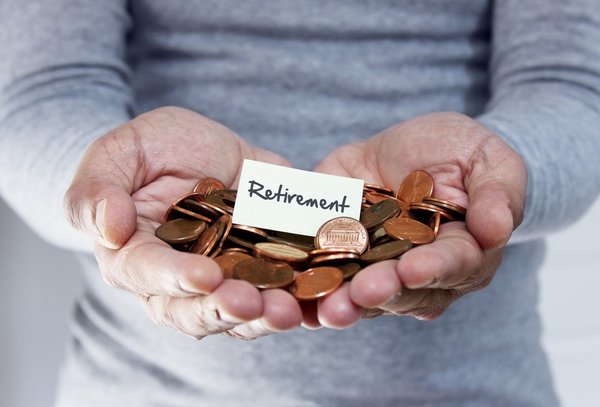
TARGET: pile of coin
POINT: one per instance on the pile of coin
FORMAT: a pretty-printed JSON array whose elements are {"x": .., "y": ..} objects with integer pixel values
[{"x": 390, "y": 224}]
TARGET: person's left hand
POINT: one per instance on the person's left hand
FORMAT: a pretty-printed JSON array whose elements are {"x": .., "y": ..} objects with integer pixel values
[{"x": 470, "y": 166}]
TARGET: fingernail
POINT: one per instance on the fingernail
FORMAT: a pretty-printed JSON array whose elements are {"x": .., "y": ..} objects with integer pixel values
[
  {"x": 393, "y": 300},
  {"x": 186, "y": 287},
  {"x": 227, "y": 317},
  {"x": 99, "y": 217}
]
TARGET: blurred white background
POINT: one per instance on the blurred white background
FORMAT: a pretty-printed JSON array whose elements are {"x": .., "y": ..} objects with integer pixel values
[{"x": 38, "y": 284}]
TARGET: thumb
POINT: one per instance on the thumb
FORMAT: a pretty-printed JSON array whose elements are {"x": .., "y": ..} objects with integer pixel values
[
  {"x": 496, "y": 188},
  {"x": 98, "y": 201}
]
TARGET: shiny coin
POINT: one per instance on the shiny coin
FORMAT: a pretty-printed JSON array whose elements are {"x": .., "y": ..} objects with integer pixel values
[
  {"x": 207, "y": 185},
  {"x": 204, "y": 208},
  {"x": 380, "y": 189},
  {"x": 277, "y": 251},
  {"x": 180, "y": 231},
  {"x": 415, "y": 187},
  {"x": 342, "y": 233},
  {"x": 386, "y": 251},
  {"x": 316, "y": 283},
  {"x": 326, "y": 259},
  {"x": 373, "y": 217},
  {"x": 223, "y": 226},
  {"x": 207, "y": 241},
  {"x": 227, "y": 261},
  {"x": 409, "y": 229},
  {"x": 263, "y": 273}
]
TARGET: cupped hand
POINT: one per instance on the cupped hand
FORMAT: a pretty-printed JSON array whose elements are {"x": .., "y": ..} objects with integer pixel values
[
  {"x": 471, "y": 166},
  {"x": 125, "y": 183}
]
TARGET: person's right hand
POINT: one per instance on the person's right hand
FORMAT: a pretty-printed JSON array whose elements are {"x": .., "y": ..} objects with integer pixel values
[{"x": 125, "y": 183}]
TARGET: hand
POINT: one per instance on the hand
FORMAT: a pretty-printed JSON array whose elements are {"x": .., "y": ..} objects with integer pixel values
[
  {"x": 125, "y": 183},
  {"x": 472, "y": 167}
]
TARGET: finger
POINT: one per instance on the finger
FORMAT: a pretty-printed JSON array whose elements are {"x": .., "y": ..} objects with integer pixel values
[
  {"x": 424, "y": 304},
  {"x": 98, "y": 202},
  {"x": 337, "y": 309},
  {"x": 281, "y": 312},
  {"x": 375, "y": 284},
  {"x": 496, "y": 186},
  {"x": 453, "y": 260},
  {"x": 148, "y": 266},
  {"x": 234, "y": 302}
]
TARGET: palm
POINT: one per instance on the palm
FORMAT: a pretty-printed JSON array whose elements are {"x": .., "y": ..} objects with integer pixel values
[{"x": 471, "y": 167}]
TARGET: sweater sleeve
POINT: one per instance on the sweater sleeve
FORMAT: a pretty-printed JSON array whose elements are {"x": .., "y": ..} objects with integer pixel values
[
  {"x": 545, "y": 102},
  {"x": 63, "y": 83}
]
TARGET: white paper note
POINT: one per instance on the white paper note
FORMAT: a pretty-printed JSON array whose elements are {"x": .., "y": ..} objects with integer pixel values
[{"x": 295, "y": 201}]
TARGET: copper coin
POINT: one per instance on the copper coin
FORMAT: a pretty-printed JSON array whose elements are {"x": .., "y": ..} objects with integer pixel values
[
  {"x": 207, "y": 241},
  {"x": 207, "y": 185},
  {"x": 302, "y": 242},
  {"x": 249, "y": 233},
  {"x": 223, "y": 226},
  {"x": 227, "y": 262},
  {"x": 374, "y": 197},
  {"x": 342, "y": 233},
  {"x": 177, "y": 212},
  {"x": 240, "y": 242},
  {"x": 416, "y": 186},
  {"x": 264, "y": 274},
  {"x": 221, "y": 199},
  {"x": 277, "y": 251},
  {"x": 409, "y": 229},
  {"x": 316, "y": 283},
  {"x": 457, "y": 211},
  {"x": 374, "y": 217},
  {"x": 434, "y": 223},
  {"x": 179, "y": 231},
  {"x": 431, "y": 209},
  {"x": 333, "y": 258},
  {"x": 349, "y": 270},
  {"x": 380, "y": 189},
  {"x": 204, "y": 208},
  {"x": 330, "y": 250},
  {"x": 386, "y": 251},
  {"x": 379, "y": 236}
]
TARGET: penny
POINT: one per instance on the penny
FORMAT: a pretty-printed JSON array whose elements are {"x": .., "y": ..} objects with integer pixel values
[
  {"x": 176, "y": 212},
  {"x": 277, "y": 251},
  {"x": 316, "y": 283},
  {"x": 207, "y": 185},
  {"x": 374, "y": 197},
  {"x": 204, "y": 208},
  {"x": 379, "y": 236},
  {"x": 457, "y": 211},
  {"x": 240, "y": 242},
  {"x": 386, "y": 251},
  {"x": 415, "y": 187},
  {"x": 373, "y": 217},
  {"x": 222, "y": 200},
  {"x": 343, "y": 233},
  {"x": 223, "y": 226},
  {"x": 333, "y": 257},
  {"x": 349, "y": 270},
  {"x": 249, "y": 232},
  {"x": 380, "y": 189},
  {"x": 228, "y": 260},
  {"x": 434, "y": 223},
  {"x": 180, "y": 231},
  {"x": 299, "y": 241},
  {"x": 206, "y": 242},
  {"x": 420, "y": 207},
  {"x": 264, "y": 274},
  {"x": 409, "y": 229}
]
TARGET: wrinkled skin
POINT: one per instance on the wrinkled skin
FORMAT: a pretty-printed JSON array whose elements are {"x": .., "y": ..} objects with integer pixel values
[{"x": 129, "y": 177}]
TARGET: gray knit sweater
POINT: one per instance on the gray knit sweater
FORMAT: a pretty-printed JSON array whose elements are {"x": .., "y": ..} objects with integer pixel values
[{"x": 300, "y": 78}]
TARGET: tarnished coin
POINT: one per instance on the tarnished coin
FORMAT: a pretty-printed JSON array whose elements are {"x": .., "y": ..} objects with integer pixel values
[
  {"x": 316, "y": 283},
  {"x": 277, "y": 251},
  {"x": 409, "y": 229},
  {"x": 179, "y": 231},
  {"x": 207, "y": 241},
  {"x": 222, "y": 199},
  {"x": 415, "y": 187},
  {"x": 373, "y": 217},
  {"x": 379, "y": 236},
  {"x": 263, "y": 273},
  {"x": 223, "y": 226},
  {"x": 207, "y": 185},
  {"x": 349, "y": 269},
  {"x": 227, "y": 261},
  {"x": 342, "y": 233},
  {"x": 386, "y": 251}
]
